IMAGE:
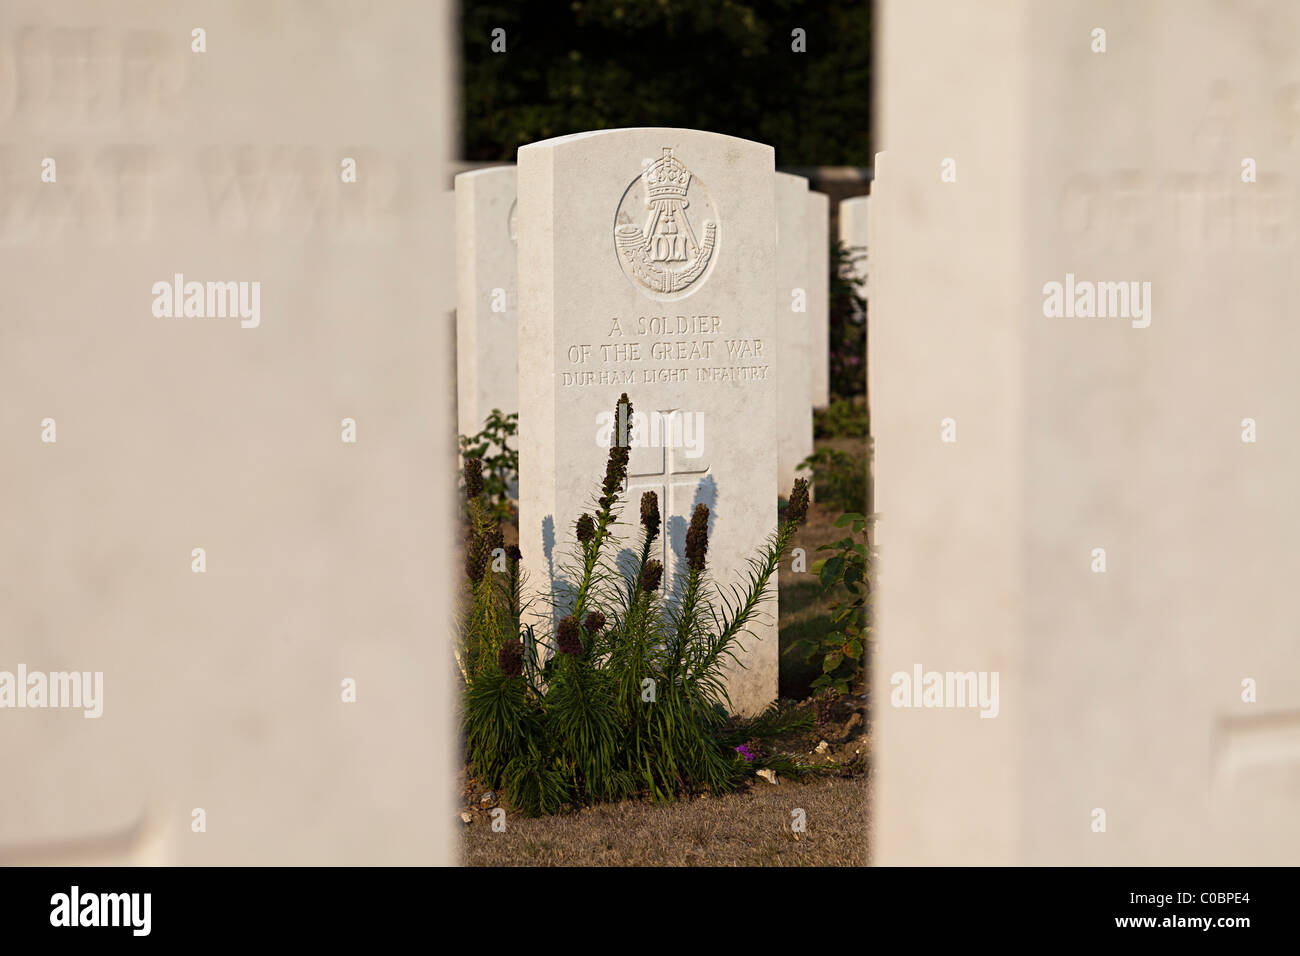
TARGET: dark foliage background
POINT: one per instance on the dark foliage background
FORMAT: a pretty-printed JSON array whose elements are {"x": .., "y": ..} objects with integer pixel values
[{"x": 723, "y": 66}]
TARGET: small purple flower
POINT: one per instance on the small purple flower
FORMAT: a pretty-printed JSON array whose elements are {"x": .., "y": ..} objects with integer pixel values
[
  {"x": 744, "y": 752},
  {"x": 567, "y": 640}
]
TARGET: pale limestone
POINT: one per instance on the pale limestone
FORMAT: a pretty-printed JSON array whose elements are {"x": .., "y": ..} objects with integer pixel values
[
  {"x": 325, "y": 560},
  {"x": 579, "y": 195},
  {"x": 819, "y": 295},
  {"x": 1120, "y": 691},
  {"x": 855, "y": 229},
  {"x": 487, "y": 363},
  {"x": 794, "y": 338},
  {"x": 855, "y": 215}
]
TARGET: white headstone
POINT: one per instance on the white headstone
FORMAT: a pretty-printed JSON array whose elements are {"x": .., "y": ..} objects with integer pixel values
[
  {"x": 855, "y": 238},
  {"x": 192, "y": 523},
  {"x": 854, "y": 216},
  {"x": 1085, "y": 398},
  {"x": 486, "y": 329},
  {"x": 646, "y": 263},
  {"x": 819, "y": 296},
  {"x": 794, "y": 336}
]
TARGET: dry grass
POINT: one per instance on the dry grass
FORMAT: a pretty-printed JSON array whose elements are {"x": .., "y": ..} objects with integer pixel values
[{"x": 750, "y": 828}]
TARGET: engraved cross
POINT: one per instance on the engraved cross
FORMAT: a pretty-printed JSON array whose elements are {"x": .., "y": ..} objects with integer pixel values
[{"x": 673, "y": 463}]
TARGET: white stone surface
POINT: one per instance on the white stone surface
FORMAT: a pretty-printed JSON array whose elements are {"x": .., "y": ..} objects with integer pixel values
[
  {"x": 794, "y": 333},
  {"x": 325, "y": 560},
  {"x": 692, "y": 334},
  {"x": 854, "y": 216},
  {"x": 1120, "y": 691},
  {"x": 855, "y": 236},
  {"x": 487, "y": 364},
  {"x": 819, "y": 296}
]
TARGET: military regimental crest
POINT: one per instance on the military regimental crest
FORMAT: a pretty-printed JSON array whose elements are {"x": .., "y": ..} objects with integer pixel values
[{"x": 659, "y": 246}]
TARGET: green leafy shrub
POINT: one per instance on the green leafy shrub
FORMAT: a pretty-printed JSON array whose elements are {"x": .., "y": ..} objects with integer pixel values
[
  {"x": 494, "y": 579},
  {"x": 602, "y": 64},
  {"x": 843, "y": 418},
  {"x": 626, "y": 695},
  {"x": 842, "y": 650},
  {"x": 840, "y": 478},
  {"x": 500, "y": 462}
]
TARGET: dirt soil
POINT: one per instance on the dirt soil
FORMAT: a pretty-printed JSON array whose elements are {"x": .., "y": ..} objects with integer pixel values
[
  {"x": 750, "y": 828},
  {"x": 753, "y": 827},
  {"x": 838, "y": 741}
]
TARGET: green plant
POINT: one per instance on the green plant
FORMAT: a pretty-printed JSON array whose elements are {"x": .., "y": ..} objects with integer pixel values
[
  {"x": 839, "y": 477},
  {"x": 626, "y": 693},
  {"x": 823, "y": 703},
  {"x": 843, "y": 418},
  {"x": 494, "y": 579},
  {"x": 843, "y": 649},
  {"x": 500, "y": 461},
  {"x": 589, "y": 65}
]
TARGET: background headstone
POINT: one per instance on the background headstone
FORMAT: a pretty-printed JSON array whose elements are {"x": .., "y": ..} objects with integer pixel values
[
  {"x": 854, "y": 216},
  {"x": 682, "y": 321},
  {"x": 486, "y": 329},
  {"x": 854, "y": 226},
  {"x": 1123, "y": 691},
  {"x": 325, "y": 560},
  {"x": 819, "y": 296},
  {"x": 794, "y": 330}
]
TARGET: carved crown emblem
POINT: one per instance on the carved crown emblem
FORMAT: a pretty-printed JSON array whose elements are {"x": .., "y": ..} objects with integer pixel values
[
  {"x": 668, "y": 178},
  {"x": 662, "y": 252}
]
